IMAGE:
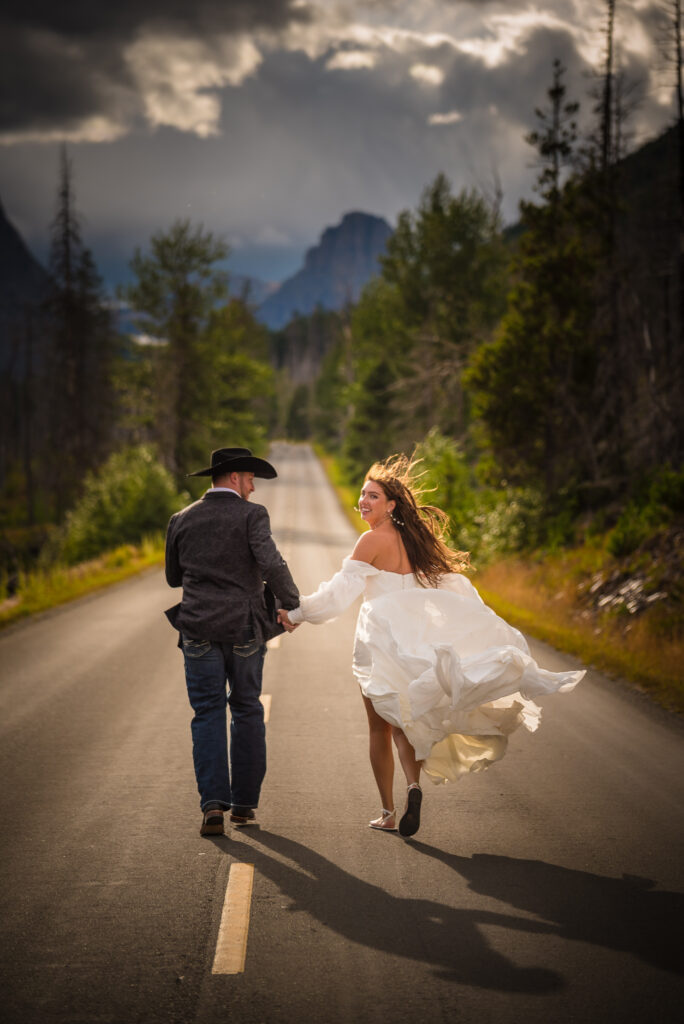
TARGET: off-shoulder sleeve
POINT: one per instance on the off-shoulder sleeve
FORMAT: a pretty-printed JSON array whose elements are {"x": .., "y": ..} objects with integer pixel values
[
  {"x": 457, "y": 583},
  {"x": 335, "y": 595}
]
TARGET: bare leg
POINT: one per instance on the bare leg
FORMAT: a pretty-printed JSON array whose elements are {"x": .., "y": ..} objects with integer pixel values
[
  {"x": 407, "y": 756},
  {"x": 381, "y": 756},
  {"x": 410, "y": 819}
]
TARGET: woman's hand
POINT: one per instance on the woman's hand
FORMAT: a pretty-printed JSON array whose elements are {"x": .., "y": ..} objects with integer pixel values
[{"x": 284, "y": 621}]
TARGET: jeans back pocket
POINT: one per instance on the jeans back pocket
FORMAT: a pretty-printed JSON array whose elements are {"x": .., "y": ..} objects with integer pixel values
[
  {"x": 248, "y": 649},
  {"x": 196, "y": 648}
]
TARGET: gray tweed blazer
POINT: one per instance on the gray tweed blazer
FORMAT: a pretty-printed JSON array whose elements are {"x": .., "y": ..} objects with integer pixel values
[{"x": 221, "y": 552}]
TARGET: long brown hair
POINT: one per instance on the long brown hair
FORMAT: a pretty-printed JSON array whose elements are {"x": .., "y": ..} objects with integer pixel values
[{"x": 422, "y": 527}]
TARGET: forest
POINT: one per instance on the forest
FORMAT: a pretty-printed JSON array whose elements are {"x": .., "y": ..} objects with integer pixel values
[{"x": 536, "y": 371}]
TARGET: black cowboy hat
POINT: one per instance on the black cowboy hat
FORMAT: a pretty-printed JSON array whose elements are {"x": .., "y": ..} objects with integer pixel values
[{"x": 236, "y": 460}]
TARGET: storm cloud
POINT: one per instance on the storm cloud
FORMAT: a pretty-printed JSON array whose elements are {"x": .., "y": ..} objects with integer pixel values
[{"x": 268, "y": 120}]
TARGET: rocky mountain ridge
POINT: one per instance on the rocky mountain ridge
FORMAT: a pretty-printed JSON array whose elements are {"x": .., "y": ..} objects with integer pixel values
[{"x": 334, "y": 272}]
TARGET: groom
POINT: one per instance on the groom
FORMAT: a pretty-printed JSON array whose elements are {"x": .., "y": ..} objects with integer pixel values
[{"x": 221, "y": 552}]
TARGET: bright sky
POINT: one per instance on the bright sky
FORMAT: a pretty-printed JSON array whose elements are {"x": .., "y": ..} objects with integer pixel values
[{"x": 267, "y": 120}]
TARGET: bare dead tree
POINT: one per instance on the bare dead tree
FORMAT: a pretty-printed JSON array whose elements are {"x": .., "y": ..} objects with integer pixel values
[{"x": 607, "y": 98}]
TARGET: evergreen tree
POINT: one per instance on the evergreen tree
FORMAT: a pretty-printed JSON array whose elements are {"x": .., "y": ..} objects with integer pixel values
[
  {"x": 535, "y": 382},
  {"x": 379, "y": 350},
  {"x": 447, "y": 264},
  {"x": 238, "y": 397},
  {"x": 207, "y": 378},
  {"x": 177, "y": 289},
  {"x": 81, "y": 353}
]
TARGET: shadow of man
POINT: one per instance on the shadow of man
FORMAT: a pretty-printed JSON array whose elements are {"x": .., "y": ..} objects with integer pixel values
[{"x": 449, "y": 940}]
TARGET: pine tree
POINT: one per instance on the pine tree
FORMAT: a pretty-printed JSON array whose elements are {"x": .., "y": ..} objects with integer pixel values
[
  {"x": 177, "y": 288},
  {"x": 82, "y": 345},
  {"x": 534, "y": 383},
  {"x": 211, "y": 382}
]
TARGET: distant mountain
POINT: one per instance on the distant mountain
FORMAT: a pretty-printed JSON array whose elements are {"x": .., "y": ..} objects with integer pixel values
[
  {"x": 23, "y": 285},
  {"x": 334, "y": 271}
]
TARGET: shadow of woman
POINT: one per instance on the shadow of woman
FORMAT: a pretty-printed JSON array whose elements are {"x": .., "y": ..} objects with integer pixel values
[
  {"x": 623, "y": 914},
  {"x": 447, "y": 939}
]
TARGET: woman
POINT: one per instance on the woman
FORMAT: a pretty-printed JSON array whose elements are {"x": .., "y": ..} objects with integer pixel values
[{"x": 440, "y": 673}]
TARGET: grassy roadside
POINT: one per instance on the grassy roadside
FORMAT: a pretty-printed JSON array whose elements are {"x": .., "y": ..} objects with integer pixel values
[
  {"x": 41, "y": 589},
  {"x": 348, "y": 496},
  {"x": 637, "y": 650},
  {"x": 550, "y": 598}
]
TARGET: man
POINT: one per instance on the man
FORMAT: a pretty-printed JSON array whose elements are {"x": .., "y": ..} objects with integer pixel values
[{"x": 220, "y": 550}]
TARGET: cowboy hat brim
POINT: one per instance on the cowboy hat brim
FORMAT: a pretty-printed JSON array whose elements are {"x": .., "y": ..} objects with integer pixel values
[{"x": 242, "y": 464}]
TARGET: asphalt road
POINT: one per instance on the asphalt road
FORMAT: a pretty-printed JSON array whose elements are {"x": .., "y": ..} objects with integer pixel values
[{"x": 549, "y": 889}]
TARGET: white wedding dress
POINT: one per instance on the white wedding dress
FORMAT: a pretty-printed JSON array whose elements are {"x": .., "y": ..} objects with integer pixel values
[{"x": 438, "y": 663}]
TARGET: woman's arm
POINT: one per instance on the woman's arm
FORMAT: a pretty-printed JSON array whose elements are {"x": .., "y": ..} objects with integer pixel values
[{"x": 332, "y": 597}]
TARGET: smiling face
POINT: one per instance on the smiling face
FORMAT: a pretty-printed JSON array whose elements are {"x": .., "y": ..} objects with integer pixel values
[{"x": 374, "y": 505}]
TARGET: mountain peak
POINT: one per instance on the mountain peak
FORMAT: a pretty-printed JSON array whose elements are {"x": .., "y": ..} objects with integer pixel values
[{"x": 334, "y": 272}]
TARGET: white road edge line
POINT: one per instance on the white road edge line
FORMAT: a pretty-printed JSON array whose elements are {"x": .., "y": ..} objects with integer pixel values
[{"x": 231, "y": 944}]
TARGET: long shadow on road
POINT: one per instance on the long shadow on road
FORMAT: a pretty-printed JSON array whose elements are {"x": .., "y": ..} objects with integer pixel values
[
  {"x": 620, "y": 914},
  {"x": 449, "y": 940}
]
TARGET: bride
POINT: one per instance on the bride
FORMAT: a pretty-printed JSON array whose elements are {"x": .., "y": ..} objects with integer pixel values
[{"x": 440, "y": 673}]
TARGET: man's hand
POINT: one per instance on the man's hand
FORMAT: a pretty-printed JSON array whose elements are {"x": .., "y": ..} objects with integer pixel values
[{"x": 284, "y": 620}]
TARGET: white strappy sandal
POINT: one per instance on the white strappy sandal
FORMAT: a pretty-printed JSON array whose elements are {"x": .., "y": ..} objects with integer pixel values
[{"x": 383, "y": 822}]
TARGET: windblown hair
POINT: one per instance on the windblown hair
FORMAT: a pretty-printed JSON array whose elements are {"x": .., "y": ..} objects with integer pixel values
[{"x": 422, "y": 527}]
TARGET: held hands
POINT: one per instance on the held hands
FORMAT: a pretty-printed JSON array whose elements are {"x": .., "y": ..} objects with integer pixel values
[{"x": 284, "y": 620}]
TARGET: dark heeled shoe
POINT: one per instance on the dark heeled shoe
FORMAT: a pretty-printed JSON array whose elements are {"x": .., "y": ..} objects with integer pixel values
[{"x": 410, "y": 820}]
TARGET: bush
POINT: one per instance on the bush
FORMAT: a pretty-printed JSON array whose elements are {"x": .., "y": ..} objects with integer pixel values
[
  {"x": 659, "y": 502},
  {"x": 631, "y": 530},
  {"x": 666, "y": 492},
  {"x": 486, "y": 521},
  {"x": 131, "y": 496},
  {"x": 447, "y": 481}
]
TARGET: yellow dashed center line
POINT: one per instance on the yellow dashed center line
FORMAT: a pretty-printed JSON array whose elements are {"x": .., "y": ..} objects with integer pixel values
[{"x": 231, "y": 945}]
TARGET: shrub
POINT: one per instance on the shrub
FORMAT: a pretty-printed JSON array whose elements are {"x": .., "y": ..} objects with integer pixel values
[
  {"x": 632, "y": 529},
  {"x": 667, "y": 492},
  {"x": 484, "y": 520},
  {"x": 447, "y": 480},
  {"x": 508, "y": 521},
  {"x": 131, "y": 496}
]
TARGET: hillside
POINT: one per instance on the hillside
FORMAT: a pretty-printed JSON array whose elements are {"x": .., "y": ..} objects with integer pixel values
[{"x": 23, "y": 285}]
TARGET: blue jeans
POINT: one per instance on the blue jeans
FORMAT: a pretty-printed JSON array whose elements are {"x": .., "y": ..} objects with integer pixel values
[{"x": 208, "y": 667}]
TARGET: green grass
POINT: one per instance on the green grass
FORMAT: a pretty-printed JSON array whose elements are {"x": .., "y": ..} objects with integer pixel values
[{"x": 41, "y": 589}]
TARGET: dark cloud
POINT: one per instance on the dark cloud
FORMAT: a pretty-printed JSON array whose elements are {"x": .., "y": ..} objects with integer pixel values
[
  {"x": 63, "y": 62},
  {"x": 309, "y": 134},
  {"x": 45, "y": 82},
  {"x": 78, "y": 19}
]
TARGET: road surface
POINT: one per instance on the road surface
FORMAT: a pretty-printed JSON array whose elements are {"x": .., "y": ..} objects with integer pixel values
[{"x": 548, "y": 889}]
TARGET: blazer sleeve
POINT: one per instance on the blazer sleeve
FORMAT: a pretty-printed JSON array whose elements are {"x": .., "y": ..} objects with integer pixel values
[
  {"x": 174, "y": 574},
  {"x": 273, "y": 566}
]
